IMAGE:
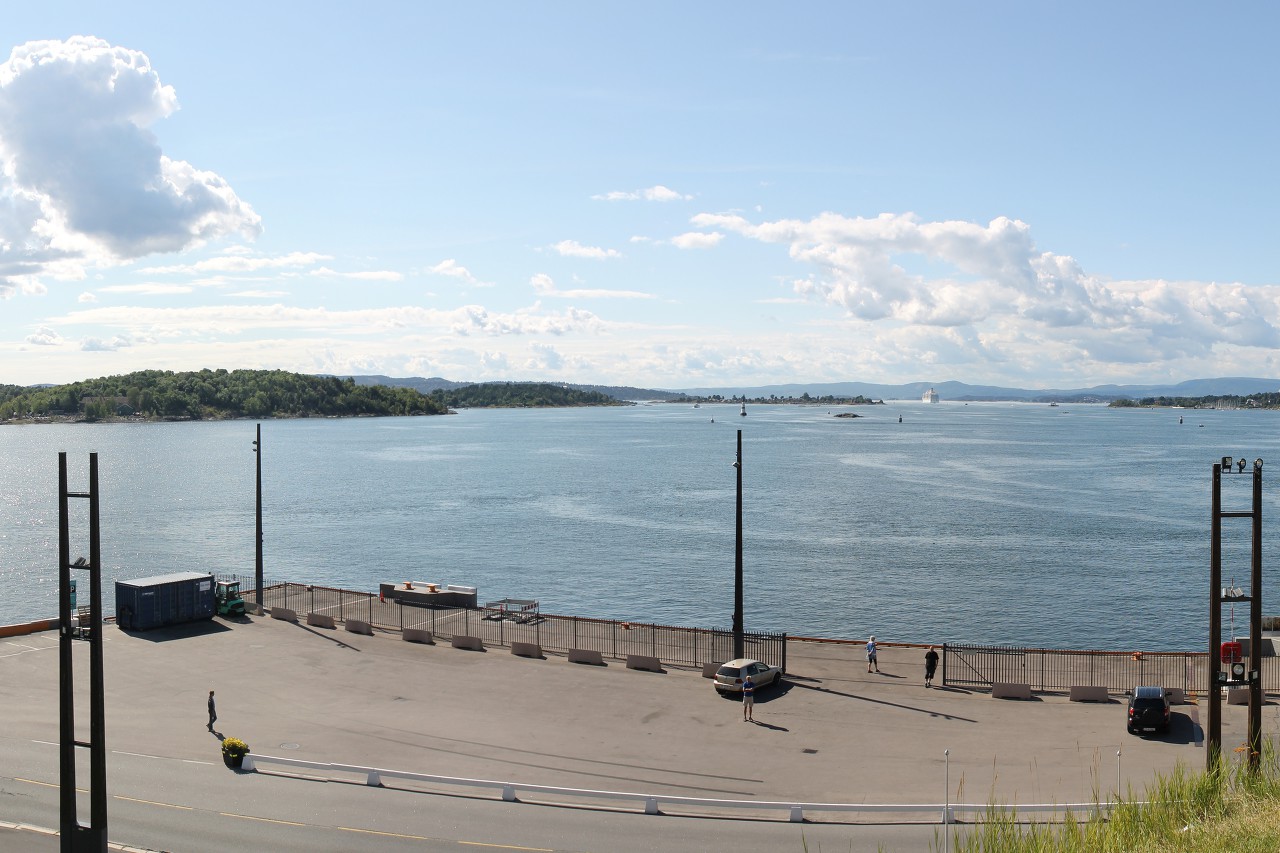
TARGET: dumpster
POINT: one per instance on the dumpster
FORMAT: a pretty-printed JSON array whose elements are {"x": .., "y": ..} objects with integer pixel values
[{"x": 162, "y": 600}]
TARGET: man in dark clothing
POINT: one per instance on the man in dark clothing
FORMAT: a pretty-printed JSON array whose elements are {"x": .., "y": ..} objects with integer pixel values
[
  {"x": 213, "y": 712},
  {"x": 930, "y": 665}
]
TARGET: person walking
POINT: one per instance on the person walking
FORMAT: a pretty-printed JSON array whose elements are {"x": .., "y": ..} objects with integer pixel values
[
  {"x": 213, "y": 711},
  {"x": 748, "y": 699},
  {"x": 930, "y": 665},
  {"x": 871, "y": 654}
]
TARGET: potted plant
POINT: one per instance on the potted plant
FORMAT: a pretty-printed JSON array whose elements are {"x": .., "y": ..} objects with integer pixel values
[{"x": 233, "y": 751}]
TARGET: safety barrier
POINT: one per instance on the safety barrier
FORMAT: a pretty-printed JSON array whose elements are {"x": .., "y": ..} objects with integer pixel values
[{"x": 375, "y": 776}]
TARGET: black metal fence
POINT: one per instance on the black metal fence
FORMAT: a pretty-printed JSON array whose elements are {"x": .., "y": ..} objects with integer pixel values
[
  {"x": 1058, "y": 670},
  {"x": 673, "y": 645}
]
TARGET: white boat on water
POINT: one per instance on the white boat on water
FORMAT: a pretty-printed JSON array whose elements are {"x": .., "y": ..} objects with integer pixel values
[{"x": 930, "y": 396}]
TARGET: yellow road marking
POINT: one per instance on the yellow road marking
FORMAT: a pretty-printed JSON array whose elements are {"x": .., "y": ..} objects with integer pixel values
[
  {"x": 388, "y": 834},
  {"x": 153, "y": 803},
  {"x": 262, "y": 819},
  {"x": 47, "y": 784},
  {"x": 507, "y": 846}
]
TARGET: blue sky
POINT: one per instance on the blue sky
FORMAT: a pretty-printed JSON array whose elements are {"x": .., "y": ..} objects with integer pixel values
[{"x": 662, "y": 195}]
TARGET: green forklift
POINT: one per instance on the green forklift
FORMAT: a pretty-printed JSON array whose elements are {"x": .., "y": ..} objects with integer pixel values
[{"x": 227, "y": 595}]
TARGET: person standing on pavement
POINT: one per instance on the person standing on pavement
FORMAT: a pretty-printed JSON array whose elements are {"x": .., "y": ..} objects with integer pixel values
[
  {"x": 930, "y": 665},
  {"x": 748, "y": 699},
  {"x": 213, "y": 711},
  {"x": 871, "y": 654}
]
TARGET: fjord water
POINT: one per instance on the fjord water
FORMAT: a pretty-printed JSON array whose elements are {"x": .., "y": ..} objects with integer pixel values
[{"x": 1068, "y": 527}]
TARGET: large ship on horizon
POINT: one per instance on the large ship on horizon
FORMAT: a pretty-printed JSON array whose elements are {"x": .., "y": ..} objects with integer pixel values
[{"x": 930, "y": 396}]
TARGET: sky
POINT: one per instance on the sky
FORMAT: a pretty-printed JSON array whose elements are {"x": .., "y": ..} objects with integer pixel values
[{"x": 662, "y": 195}]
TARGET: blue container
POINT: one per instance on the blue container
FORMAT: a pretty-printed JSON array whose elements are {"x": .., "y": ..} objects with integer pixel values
[{"x": 164, "y": 600}]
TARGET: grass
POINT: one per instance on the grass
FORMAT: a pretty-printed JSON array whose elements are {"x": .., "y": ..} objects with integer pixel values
[{"x": 1228, "y": 809}]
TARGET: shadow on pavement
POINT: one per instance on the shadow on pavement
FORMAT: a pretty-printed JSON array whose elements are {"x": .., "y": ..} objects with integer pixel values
[
  {"x": 333, "y": 640},
  {"x": 177, "y": 632},
  {"x": 883, "y": 702}
]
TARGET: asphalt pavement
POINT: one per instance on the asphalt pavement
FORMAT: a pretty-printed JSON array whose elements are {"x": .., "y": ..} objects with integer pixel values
[{"x": 830, "y": 733}]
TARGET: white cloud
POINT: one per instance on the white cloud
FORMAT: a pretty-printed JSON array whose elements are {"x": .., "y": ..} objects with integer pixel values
[
  {"x": 99, "y": 345},
  {"x": 44, "y": 337},
  {"x": 574, "y": 249},
  {"x": 84, "y": 181},
  {"x": 241, "y": 263},
  {"x": 453, "y": 269},
  {"x": 149, "y": 289},
  {"x": 654, "y": 193},
  {"x": 87, "y": 296},
  {"x": 697, "y": 240},
  {"x": 545, "y": 357},
  {"x": 367, "y": 275},
  {"x": 1006, "y": 299},
  {"x": 544, "y": 285},
  {"x": 260, "y": 294},
  {"x": 467, "y": 320}
]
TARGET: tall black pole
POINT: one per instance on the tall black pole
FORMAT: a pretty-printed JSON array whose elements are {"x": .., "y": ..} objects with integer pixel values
[
  {"x": 74, "y": 837},
  {"x": 1213, "y": 733},
  {"x": 257, "y": 539},
  {"x": 68, "y": 822},
  {"x": 738, "y": 642},
  {"x": 1255, "y": 625},
  {"x": 97, "y": 836}
]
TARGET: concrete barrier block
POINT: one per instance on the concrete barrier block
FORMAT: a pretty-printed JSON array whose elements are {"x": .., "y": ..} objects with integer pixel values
[
  {"x": 1238, "y": 696},
  {"x": 526, "y": 650},
  {"x": 1008, "y": 690},
  {"x": 1089, "y": 693},
  {"x": 284, "y": 614},
  {"x": 1176, "y": 695},
  {"x": 590, "y": 656},
  {"x": 710, "y": 668},
  {"x": 461, "y": 641},
  {"x": 418, "y": 635},
  {"x": 357, "y": 626},
  {"x": 645, "y": 662},
  {"x": 320, "y": 620}
]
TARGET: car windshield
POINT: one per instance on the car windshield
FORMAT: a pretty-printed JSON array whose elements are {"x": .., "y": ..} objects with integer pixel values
[{"x": 1148, "y": 704}]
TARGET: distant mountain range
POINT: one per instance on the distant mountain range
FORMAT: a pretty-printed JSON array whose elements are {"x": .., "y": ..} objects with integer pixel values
[{"x": 1224, "y": 386}]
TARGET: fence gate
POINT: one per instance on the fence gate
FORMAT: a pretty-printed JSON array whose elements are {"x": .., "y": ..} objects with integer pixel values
[{"x": 983, "y": 666}]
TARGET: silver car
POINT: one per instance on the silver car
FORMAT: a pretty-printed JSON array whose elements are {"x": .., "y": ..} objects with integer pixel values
[{"x": 730, "y": 675}]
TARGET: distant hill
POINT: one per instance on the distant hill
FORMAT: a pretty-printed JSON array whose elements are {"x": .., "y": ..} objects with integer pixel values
[
  {"x": 954, "y": 391},
  {"x": 427, "y": 386},
  {"x": 211, "y": 394},
  {"x": 522, "y": 395},
  {"x": 960, "y": 391}
]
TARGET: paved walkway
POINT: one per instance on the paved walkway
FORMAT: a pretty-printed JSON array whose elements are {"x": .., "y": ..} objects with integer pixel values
[{"x": 832, "y": 733}]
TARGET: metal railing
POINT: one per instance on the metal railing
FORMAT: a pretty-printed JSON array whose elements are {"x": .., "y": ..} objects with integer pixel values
[
  {"x": 1058, "y": 670},
  {"x": 615, "y": 639}
]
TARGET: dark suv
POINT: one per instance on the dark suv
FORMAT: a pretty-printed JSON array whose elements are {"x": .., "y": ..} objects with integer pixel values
[{"x": 1148, "y": 710}]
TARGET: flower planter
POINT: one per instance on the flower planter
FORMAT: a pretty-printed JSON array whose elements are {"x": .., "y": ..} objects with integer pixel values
[{"x": 234, "y": 761}]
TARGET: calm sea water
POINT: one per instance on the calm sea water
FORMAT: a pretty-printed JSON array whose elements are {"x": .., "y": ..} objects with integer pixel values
[{"x": 1072, "y": 527}]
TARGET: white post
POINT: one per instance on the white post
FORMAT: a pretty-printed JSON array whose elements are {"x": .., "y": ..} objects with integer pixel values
[
  {"x": 1117, "y": 797},
  {"x": 946, "y": 804}
]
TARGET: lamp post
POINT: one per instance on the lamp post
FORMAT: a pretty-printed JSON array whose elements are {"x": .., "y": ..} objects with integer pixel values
[
  {"x": 257, "y": 551},
  {"x": 738, "y": 641},
  {"x": 1238, "y": 675}
]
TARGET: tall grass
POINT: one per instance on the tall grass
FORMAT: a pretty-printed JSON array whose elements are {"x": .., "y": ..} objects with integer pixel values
[{"x": 1227, "y": 809}]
